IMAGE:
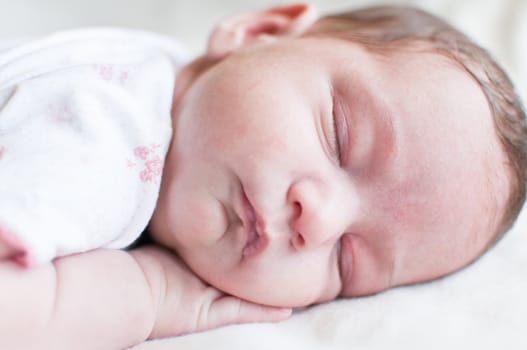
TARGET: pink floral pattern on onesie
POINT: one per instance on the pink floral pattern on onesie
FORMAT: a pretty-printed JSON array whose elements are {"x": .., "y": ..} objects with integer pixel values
[
  {"x": 150, "y": 163},
  {"x": 105, "y": 71},
  {"x": 2, "y": 152},
  {"x": 112, "y": 73},
  {"x": 60, "y": 114}
]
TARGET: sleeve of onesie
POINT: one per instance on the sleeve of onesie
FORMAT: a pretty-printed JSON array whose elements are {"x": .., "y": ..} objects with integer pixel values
[{"x": 84, "y": 128}]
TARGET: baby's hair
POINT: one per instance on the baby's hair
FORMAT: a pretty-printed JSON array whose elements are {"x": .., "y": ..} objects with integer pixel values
[{"x": 386, "y": 29}]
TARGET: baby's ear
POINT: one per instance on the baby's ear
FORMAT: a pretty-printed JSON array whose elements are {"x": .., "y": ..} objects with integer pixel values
[{"x": 263, "y": 26}]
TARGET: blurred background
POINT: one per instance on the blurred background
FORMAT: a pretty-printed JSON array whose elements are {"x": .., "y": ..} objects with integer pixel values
[{"x": 499, "y": 25}]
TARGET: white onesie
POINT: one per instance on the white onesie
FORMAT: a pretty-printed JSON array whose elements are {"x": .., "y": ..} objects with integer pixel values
[{"x": 84, "y": 128}]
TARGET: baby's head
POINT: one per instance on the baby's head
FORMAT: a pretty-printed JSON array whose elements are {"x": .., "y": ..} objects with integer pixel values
[{"x": 343, "y": 156}]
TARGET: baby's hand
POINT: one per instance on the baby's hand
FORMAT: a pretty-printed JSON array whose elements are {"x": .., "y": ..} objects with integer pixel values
[{"x": 183, "y": 303}]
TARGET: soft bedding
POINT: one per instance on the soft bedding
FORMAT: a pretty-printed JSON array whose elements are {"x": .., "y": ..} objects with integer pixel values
[{"x": 484, "y": 306}]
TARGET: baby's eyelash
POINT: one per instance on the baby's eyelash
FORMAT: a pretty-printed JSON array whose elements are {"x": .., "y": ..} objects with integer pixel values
[
  {"x": 335, "y": 137},
  {"x": 337, "y": 142},
  {"x": 339, "y": 259}
]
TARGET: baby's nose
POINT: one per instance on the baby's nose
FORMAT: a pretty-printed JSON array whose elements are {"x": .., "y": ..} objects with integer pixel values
[{"x": 313, "y": 222}]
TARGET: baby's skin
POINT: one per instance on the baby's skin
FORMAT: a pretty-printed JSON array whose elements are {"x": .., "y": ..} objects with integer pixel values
[{"x": 301, "y": 169}]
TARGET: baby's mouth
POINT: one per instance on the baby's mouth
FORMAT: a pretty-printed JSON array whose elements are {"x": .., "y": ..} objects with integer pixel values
[
  {"x": 253, "y": 226},
  {"x": 257, "y": 242}
]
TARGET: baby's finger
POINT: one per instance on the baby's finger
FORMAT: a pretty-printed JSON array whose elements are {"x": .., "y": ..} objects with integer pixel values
[{"x": 231, "y": 310}]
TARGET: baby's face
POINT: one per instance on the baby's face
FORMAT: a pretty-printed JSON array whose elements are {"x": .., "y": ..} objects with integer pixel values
[{"x": 312, "y": 168}]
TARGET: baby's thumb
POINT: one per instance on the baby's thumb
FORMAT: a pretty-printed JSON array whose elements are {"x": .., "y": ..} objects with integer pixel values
[{"x": 231, "y": 310}]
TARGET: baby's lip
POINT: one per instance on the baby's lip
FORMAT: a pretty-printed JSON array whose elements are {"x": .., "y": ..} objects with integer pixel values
[{"x": 256, "y": 240}]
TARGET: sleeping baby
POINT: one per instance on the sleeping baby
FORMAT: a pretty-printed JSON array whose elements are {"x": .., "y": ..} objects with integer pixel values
[{"x": 299, "y": 160}]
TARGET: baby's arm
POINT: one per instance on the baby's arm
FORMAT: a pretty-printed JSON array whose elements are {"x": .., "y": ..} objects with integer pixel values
[
  {"x": 109, "y": 299},
  {"x": 96, "y": 300}
]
